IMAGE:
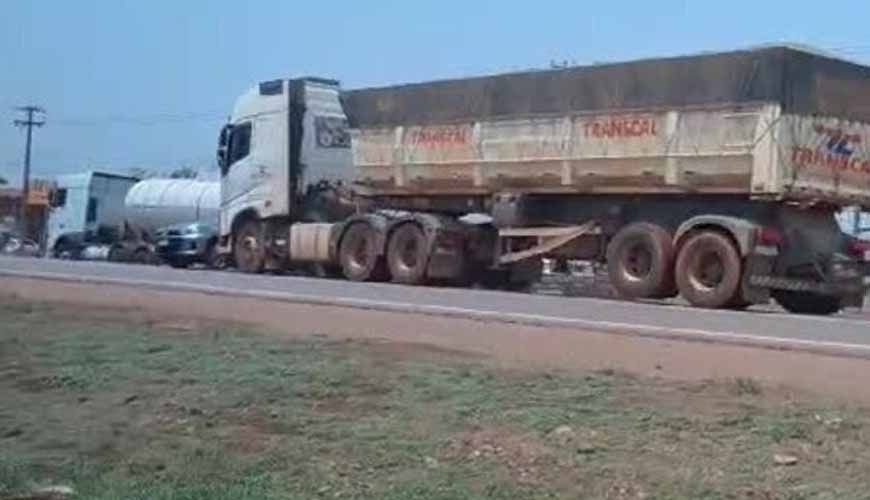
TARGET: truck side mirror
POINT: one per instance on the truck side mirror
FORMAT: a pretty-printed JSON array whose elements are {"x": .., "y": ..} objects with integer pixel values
[
  {"x": 222, "y": 159},
  {"x": 223, "y": 148}
]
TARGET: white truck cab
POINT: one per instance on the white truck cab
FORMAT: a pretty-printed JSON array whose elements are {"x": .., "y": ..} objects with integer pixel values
[
  {"x": 283, "y": 138},
  {"x": 83, "y": 206}
]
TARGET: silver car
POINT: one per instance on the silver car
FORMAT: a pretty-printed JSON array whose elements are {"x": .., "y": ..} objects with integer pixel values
[{"x": 181, "y": 245}]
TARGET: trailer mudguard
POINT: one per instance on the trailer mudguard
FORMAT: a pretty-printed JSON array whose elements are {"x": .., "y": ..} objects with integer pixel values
[{"x": 742, "y": 230}]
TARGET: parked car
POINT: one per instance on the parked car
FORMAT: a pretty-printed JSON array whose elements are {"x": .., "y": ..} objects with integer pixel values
[
  {"x": 181, "y": 245},
  {"x": 12, "y": 244}
]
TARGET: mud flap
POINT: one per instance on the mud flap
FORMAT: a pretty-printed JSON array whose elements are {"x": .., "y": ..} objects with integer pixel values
[
  {"x": 445, "y": 265},
  {"x": 447, "y": 238},
  {"x": 756, "y": 265}
]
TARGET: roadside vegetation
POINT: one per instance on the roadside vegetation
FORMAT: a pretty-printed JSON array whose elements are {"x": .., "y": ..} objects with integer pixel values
[{"x": 118, "y": 408}]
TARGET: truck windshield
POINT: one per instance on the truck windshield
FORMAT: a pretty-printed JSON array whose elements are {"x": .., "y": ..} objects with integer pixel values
[{"x": 59, "y": 198}]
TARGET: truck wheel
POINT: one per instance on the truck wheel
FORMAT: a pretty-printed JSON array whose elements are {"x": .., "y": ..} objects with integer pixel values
[
  {"x": 408, "y": 255},
  {"x": 142, "y": 256},
  {"x": 248, "y": 251},
  {"x": 359, "y": 256},
  {"x": 807, "y": 302},
  {"x": 640, "y": 261},
  {"x": 66, "y": 251},
  {"x": 116, "y": 254},
  {"x": 214, "y": 259},
  {"x": 709, "y": 269}
]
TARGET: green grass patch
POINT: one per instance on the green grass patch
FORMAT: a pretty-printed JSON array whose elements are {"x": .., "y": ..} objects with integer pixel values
[{"x": 120, "y": 409}]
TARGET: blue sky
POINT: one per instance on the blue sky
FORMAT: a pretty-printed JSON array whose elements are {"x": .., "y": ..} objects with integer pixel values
[{"x": 148, "y": 83}]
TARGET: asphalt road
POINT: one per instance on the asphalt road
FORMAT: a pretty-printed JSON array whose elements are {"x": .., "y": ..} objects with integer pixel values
[{"x": 842, "y": 333}]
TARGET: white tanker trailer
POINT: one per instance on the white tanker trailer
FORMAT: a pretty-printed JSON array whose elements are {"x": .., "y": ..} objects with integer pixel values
[
  {"x": 140, "y": 210},
  {"x": 153, "y": 204}
]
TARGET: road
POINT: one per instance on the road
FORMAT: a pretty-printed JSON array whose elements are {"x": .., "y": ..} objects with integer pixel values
[{"x": 841, "y": 333}]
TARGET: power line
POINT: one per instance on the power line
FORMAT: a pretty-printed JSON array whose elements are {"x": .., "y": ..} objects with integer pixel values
[
  {"x": 29, "y": 123},
  {"x": 141, "y": 120}
]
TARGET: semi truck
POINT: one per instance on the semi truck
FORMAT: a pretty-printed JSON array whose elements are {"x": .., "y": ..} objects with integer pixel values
[
  {"x": 179, "y": 217},
  {"x": 87, "y": 211},
  {"x": 106, "y": 216},
  {"x": 715, "y": 177}
]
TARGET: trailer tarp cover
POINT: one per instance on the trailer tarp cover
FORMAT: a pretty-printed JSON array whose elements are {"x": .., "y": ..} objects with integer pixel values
[{"x": 802, "y": 82}]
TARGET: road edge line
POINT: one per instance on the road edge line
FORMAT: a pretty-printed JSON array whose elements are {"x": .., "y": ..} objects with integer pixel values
[{"x": 839, "y": 349}]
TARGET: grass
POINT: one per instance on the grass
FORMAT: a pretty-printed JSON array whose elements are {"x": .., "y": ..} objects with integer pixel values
[{"x": 130, "y": 409}]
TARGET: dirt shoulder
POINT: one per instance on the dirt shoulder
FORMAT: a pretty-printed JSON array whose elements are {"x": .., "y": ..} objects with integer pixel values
[
  {"x": 512, "y": 346},
  {"x": 108, "y": 403}
]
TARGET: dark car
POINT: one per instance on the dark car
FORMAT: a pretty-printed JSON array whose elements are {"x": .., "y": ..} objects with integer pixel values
[{"x": 181, "y": 245}]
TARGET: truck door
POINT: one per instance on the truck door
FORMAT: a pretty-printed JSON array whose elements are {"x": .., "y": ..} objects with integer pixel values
[
  {"x": 59, "y": 218},
  {"x": 237, "y": 178}
]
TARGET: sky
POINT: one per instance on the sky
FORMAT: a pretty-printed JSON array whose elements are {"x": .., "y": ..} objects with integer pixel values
[{"x": 147, "y": 84}]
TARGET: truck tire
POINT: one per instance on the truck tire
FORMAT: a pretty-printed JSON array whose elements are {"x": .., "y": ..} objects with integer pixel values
[
  {"x": 66, "y": 250},
  {"x": 116, "y": 254},
  {"x": 408, "y": 255},
  {"x": 807, "y": 302},
  {"x": 709, "y": 270},
  {"x": 640, "y": 261},
  {"x": 359, "y": 256},
  {"x": 249, "y": 253},
  {"x": 214, "y": 259},
  {"x": 142, "y": 256}
]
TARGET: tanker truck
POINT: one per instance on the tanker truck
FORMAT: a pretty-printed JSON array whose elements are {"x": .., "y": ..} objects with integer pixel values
[
  {"x": 715, "y": 177},
  {"x": 154, "y": 204},
  {"x": 87, "y": 214},
  {"x": 105, "y": 216},
  {"x": 179, "y": 219}
]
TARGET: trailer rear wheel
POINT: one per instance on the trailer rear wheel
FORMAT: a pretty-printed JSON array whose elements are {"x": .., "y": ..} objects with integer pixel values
[
  {"x": 408, "y": 255},
  {"x": 640, "y": 261},
  {"x": 248, "y": 250},
  {"x": 807, "y": 302},
  {"x": 709, "y": 269},
  {"x": 359, "y": 255},
  {"x": 142, "y": 256}
]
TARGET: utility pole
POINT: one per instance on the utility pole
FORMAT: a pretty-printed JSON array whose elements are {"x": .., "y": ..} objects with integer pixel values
[{"x": 30, "y": 122}]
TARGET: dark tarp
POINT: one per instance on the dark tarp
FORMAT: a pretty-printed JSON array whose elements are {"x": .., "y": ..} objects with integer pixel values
[{"x": 802, "y": 82}]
